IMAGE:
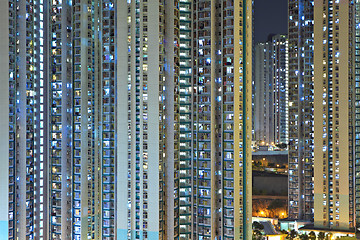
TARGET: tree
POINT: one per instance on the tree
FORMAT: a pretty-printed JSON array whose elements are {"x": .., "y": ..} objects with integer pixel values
[
  {"x": 271, "y": 165},
  {"x": 329, "y": 236},
  {"x": 312, "y": 235},
  {"x": 257, "y": 225},
  {"x": 282, "y": 145},
  {"x": 321, "y": 236},
  {"x": 260, "y": 207},
  {"x": 304, "y": 236},
  {"x": 292, "y": 234},
  {"x": 274, "y": 207},
  {"x": 257, "y": 235}
]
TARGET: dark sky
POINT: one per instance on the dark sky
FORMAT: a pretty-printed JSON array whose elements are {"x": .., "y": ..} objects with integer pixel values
[{"x": 270, "y": 17}]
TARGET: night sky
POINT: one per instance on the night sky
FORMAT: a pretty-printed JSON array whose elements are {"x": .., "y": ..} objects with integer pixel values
[{"x": 270, "y": 17}]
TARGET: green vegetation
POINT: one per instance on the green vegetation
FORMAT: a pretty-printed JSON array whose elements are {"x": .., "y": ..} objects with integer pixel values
[
  {"x": 292, "y": 235},
  {"x": 321, "y": 236},
  {"x": 312, "y": 235},
  {"x": 257, "y": 225},
  {"x": 257, "y": 231},
  {"x": 281, "y": 145},
  {"x": 304, "y": 237}
]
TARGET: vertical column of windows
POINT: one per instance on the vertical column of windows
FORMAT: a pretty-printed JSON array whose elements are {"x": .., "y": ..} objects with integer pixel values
[
  {"x": 357, "y": 114},
  {"x": 202, "y": 115},
  {"x": 30, "y": 119},
  {"x": 139, "y": 188},
  {"x": 40, "y": 77},
  {"x": 77, "y": 127},
  {"x": 177, "y": 145},
  {"x": 92, "y": 6},
  {"x": 100, "y": 81},
  {"x": 144, "y": 110},
  {"x": 306, "y": 120},
  {"x": 55, "y": 126},
  {"x": 332, "y": 110},
  {"x": 185, "y": 131},
  {"x": 129, "y": 97},
  {"x": 129, "y": 116},
  {"x": 13, "y": 48},
  {"x": 327, "y": 116},
  {"x": 108, "y": 111},
  {"x": 18, "y": 123},
  {"x": 286, "y": 137},
  {"x": 243, "y": 112},
  {"x": 229, "y": 126},
  {"x": 161, "y": 126}
]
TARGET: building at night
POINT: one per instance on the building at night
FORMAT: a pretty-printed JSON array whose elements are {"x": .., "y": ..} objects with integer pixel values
[
  {"x": 61, "y": 123},
  {"x": 271, "y": 91},
  {"x": 280, "y": 80},
  {"x": 186, "y": 154},
  {"x": 301, "y": 107},
  {"x": 334, "y": 118},
  {"x": 126, "y": 119},
  {"x": 323, "y": 112},
  {"x": 263, "y": 94},
  {"x": 61, "y": 120}
]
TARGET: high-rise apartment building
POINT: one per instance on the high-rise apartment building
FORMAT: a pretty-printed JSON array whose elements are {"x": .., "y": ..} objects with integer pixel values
[
  {"x": 61, "y": 121},
  {"x": 280, "y": 82},
  {"x": 126, "y": 119},
  {"x": 323, "y": 182},
  {"x": 334, "y": 118},
  {"x": 271, "y": 91},
  {"x": 222, "y": 118},
  {"x": 144, "y": 151},
  {"x": 263, "y": 94},
  {"x": 184, "y": 102},
  {"x": 301, "y": 107}
]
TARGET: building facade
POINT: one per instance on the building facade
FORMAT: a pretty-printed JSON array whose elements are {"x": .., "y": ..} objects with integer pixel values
[
  {"x": 271, "y": 91},
  {"x": 280, "y": 85},
  {"x": 323, "y": 156},
  {"x": 263, "y": 94},
  {"x": 188, "y": 169},
  {"x": 126, "y": 119},
  {"x": 142, "y": 144},
  {"x": 334, "y": 118},
  {"x": 301, "y": 119},
  {"x": 61, "y": 149}
]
